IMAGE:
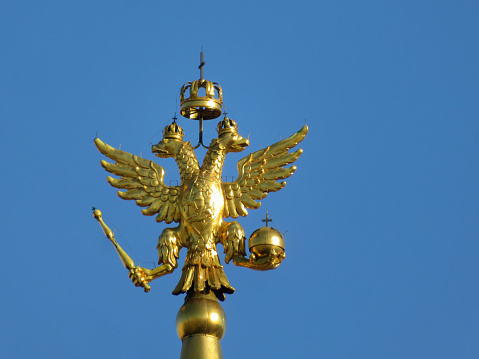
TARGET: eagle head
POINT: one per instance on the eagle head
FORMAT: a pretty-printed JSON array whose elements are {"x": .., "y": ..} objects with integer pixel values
[
  {"x": 229, "y": 138},
  {"x": 167, "y": 147},
  {"x": 171, "y": 143},
  {"x": 233, "y": 142}
]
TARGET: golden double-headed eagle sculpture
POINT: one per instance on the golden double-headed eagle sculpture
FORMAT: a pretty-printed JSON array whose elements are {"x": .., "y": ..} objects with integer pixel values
[{"x": 202, "y": 201}]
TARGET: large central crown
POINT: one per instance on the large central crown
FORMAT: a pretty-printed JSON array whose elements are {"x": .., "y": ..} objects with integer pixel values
[{"x": 195, "y": 106}]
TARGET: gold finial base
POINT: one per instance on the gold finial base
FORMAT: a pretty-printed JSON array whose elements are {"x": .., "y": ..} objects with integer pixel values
[
  {"x": 201, "y": 323},
  {"x": 201, "y": 347}
]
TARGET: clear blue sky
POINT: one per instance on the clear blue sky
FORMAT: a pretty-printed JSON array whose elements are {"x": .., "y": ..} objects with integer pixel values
[{"x": 381, "y": 217}]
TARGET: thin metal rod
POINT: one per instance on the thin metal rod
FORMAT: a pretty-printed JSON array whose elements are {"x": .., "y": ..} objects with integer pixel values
[
  {"x": 202, "y": 64},
  {"x": 200, "y": 142}
]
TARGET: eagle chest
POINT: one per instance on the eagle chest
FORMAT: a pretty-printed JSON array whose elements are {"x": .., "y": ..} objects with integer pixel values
[{"x": 202, "y": 204}]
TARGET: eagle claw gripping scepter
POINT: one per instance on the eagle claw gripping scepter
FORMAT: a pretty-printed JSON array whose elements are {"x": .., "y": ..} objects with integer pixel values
[{"x": 199, "y": 205}]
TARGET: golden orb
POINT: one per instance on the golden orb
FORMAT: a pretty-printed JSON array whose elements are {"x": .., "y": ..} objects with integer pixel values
[{"x": 265, "y": 239}]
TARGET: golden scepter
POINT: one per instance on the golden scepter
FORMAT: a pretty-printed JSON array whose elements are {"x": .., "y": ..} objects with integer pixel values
[{"x": 125, "y": 258}]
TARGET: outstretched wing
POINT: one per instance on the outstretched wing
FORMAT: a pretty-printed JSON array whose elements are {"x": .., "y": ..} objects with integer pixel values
[
  {"x": 143, "y": 181},
  {"x": 258, "y": 173}
]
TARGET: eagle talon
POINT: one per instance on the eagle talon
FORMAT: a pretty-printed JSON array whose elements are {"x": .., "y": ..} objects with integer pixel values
[
  {"x": 138, "y": 276},
  {"x": 271, "y": 261}
]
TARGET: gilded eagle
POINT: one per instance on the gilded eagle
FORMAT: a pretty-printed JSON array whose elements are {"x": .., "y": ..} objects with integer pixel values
[{"x": 201, "y": 202}]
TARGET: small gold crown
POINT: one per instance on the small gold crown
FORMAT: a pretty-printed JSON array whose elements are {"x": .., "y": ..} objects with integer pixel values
[
  {"x": 173, "y": 131},
  {"x": 208, "y": 107},
  {"x": 227, "y": 126}
]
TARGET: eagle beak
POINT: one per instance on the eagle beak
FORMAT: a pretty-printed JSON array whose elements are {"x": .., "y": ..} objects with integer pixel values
[
  {"x": 160, "y": 151},
  {"x": 240, "y": 145}
]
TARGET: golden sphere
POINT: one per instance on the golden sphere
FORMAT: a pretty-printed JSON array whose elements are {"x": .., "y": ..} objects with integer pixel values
[
  {"x": 97, "y": 213},
  {"x": 263, "y": 240},
  {"x": 201, "y": 314}
]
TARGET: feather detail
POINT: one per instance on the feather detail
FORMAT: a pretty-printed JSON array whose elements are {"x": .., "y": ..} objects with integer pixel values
[
  {"x": 153, "y": 208},
  {"x": 162, "y": 212},
  {"x": 249, "y": 202},
  {"x": 145, "y": 201},
  {"x": 258, "y": 173},
  {"x": 132, "y": 194},
  {"x": 143, "y": 180}
]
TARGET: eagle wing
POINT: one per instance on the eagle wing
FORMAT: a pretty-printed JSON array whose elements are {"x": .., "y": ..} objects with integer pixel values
[
  {"x": 143, "y": 181},
  {"x": 258, "y": 173}
]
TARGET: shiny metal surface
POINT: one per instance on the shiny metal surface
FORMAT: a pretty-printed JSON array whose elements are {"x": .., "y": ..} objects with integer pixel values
[
  {"x": 194, "y": 106},
  {"x": 201, "y": 347},
  {"x": 201, "y": 324},
  {"x": 201, "y": 203},
  {"x": 201, "y": 314},
  {"x": 264, "y": 240},
  {"x": 125, "y": 258}
]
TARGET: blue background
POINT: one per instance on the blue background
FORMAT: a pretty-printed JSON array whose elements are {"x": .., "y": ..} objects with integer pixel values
[{"x": 381, "y": 217}]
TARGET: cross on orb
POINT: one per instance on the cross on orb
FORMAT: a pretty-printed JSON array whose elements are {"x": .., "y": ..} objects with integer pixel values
[{"x": 267, "y": 219}]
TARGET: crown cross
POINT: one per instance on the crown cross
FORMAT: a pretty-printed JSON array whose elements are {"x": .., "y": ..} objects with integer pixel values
[{"x": 202, "y": 64}]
